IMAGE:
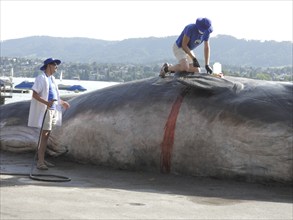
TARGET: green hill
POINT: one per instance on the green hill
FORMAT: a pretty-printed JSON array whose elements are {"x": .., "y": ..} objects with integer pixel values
[{"x": 224, "y": 49}]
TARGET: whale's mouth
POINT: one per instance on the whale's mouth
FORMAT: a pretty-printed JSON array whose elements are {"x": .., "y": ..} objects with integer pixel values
[{"x": 20, "y": 139}]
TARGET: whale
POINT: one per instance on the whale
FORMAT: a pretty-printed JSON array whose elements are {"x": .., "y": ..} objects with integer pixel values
[{"x": 199, "y": 125}]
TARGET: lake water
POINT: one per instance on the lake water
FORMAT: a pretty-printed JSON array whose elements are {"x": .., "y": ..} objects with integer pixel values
[{"x": 89, "y": 85}]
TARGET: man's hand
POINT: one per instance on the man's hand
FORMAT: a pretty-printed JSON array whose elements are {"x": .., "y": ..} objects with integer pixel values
[
  {"x": 195, "y": 62},
  {"x": 65, "y": 105},
  {"x": 51, "y": 102},
  {"x": 209, "y": 69}
]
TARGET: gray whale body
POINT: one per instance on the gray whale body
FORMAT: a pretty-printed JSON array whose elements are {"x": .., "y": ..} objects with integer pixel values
[{"x": 201, "y": 126}]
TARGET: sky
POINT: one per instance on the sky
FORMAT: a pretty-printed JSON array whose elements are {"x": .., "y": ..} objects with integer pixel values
[{"x": 118, "y": 20}]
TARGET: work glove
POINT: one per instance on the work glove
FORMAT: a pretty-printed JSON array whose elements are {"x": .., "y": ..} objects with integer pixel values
[
  {"x": 195, "y": 62},
  {"x": 209, "y": 69}
]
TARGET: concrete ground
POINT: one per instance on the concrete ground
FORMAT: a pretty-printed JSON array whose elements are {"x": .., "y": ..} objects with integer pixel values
[{"x": 102, "y": 193}]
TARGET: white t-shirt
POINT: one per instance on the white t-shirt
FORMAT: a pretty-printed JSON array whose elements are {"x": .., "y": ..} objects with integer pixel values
[{"x": 38, "y": 109}]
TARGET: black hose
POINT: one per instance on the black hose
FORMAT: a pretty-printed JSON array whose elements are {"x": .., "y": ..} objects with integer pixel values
[
  {"x": 50, "y": 177},
  {"x": 40, "y": 177}
]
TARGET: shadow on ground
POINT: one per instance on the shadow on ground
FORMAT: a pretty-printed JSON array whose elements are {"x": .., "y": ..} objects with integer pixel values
[{"x": 223, "y": 192}]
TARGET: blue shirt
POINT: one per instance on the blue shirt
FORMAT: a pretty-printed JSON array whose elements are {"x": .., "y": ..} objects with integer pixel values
[
  {"x": 52, "y": 92},
  {"x": 195, "y": 37}
]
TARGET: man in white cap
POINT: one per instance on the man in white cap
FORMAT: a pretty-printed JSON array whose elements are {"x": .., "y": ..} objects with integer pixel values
[
  {"x": 46, "y": 107},
  {"x": 190, "y": 38}
]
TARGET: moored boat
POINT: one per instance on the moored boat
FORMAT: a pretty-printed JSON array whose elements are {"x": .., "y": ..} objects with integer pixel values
[{"x": 24, "y": 85}]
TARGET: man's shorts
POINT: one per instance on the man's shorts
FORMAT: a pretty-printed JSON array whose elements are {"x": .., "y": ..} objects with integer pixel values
[
  {"x": 180, "y": 54},
  {"x": 50, "y": 120}
]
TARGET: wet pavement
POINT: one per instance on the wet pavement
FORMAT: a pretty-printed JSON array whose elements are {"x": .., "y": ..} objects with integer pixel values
[{"x": 102, "y": 193}]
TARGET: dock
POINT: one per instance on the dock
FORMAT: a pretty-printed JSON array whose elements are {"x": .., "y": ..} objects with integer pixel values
[
  {"x": 16, "y": 91},
  {"x": 3, "y": 97},
  {"x": 6, "y": 88}
]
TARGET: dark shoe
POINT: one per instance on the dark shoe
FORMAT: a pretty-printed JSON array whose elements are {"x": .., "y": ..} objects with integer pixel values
[{"x": 164, "y": 70}]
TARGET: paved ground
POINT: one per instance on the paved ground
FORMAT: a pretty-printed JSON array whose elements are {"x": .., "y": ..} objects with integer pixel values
[{"x": 101, "y": 193}]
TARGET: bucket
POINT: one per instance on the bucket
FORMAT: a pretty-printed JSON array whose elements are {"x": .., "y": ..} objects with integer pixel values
[{"x": 217, "y": 68}]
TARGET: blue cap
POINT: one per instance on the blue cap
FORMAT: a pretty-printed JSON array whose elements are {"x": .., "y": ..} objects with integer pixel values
[
  {"x": 48, "y": 61},
  {"x": 204, "y": 24}
]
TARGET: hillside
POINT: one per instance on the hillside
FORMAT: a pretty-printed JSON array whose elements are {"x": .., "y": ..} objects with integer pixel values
[{"x": 225, "y": 49}]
